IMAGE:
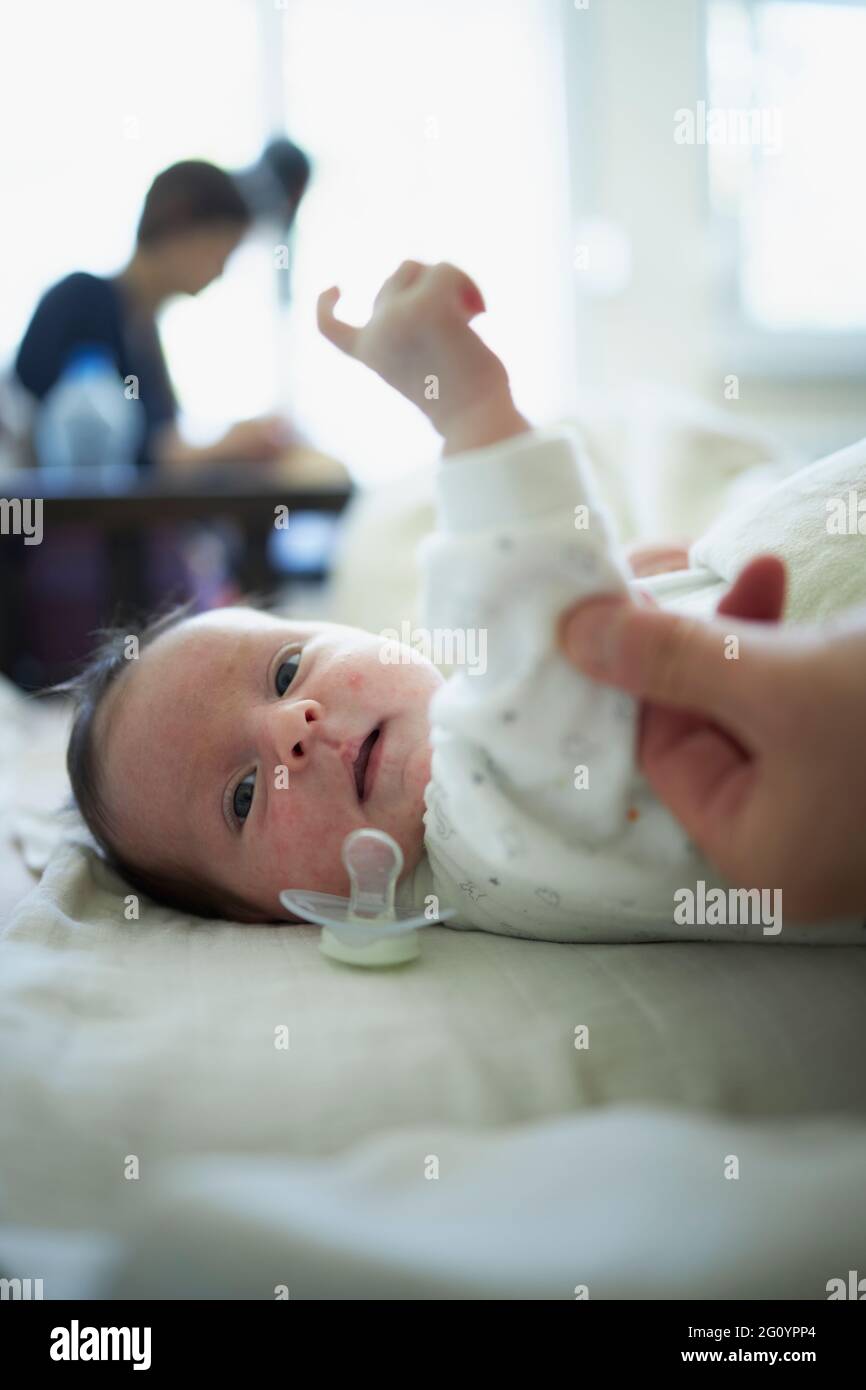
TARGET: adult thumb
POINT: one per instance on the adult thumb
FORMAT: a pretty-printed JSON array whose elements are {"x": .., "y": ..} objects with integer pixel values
[{"x": 665, "y": 657}]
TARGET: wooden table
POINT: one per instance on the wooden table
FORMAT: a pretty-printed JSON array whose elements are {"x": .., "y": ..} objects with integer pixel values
[{"x": 123, "y": 507}]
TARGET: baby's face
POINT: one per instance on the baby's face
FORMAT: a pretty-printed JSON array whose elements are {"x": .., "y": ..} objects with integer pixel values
[{"x": 236, "y": 748}]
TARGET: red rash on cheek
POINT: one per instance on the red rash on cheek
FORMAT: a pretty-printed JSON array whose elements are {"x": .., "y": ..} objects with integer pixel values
[
  {"x": 355, "y": 681},
  {"x": 304, "y": 851}
]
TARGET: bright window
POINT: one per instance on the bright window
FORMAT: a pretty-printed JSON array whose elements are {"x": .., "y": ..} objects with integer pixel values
[
  {"x": 95, "y": 99},
  {"x": 438, "y": 133},
  {"x": 435, "y": 131},
  {"x": 791, "y": 196}
]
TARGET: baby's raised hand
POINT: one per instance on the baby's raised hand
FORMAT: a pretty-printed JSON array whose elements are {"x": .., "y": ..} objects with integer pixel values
[{"x": 419, "y": 340}]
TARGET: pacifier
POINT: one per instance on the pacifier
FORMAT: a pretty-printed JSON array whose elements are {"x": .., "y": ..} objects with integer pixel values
[{"x": 366, "y": 928}]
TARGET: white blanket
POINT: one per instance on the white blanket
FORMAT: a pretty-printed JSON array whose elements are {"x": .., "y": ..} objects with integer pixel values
[
  {"x": 806, "y": 519},
  {"x": 156, "y": 1043},
  {"x": 623, "y": 1203}
]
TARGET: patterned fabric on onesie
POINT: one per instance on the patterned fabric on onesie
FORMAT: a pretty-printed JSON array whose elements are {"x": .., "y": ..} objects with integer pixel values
[{"x": 538, "y": 823}]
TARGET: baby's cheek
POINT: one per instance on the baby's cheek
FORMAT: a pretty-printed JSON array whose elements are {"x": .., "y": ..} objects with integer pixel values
[{"x": 304, "y": 848}]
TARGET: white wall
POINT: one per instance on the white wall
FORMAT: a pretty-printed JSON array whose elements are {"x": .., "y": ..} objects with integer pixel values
[{"x": 629, "y": 66}]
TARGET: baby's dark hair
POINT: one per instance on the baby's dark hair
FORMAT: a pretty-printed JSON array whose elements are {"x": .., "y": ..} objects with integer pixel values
[{"x": 107, "y": 664}]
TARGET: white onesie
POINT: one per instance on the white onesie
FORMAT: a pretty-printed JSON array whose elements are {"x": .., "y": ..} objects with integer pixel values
[{"x": 538, "y": 823}]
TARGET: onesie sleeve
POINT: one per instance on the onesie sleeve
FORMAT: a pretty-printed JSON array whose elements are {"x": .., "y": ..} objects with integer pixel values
[{"x": 520, "y": 537}]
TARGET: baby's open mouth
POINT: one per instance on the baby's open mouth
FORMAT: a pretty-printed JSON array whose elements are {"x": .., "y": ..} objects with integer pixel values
[{"x": 363, "y": 758}]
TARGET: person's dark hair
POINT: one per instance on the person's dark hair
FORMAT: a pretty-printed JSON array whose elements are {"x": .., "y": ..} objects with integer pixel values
[
  {"x": 188, "y": 196},
  {"x": 108, "y": 663}
]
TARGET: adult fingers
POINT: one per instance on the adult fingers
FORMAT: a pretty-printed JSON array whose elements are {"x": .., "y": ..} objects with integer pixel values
[
  {"x": 702, "y": 774},
  {"x": 667, "y": 658},
  {"x": 695, "y": 768},
  {"x": 758, "y": 592}
]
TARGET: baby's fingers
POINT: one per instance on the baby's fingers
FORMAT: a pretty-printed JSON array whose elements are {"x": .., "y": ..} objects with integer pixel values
[
  {"x": 456, "y": 287},
  {"x": 406, "y": 275},
  {"x": 342, "y": 335}
]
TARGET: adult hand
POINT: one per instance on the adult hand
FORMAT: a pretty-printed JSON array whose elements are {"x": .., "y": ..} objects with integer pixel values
[
  {"x": 753, "y": 735},
  {"x": 257, "y": 440}
]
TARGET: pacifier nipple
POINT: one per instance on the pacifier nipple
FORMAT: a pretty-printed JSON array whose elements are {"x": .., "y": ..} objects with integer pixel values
[{"x": 374, "y": 863}]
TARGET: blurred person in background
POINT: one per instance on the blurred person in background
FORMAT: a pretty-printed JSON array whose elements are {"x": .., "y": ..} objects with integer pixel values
[
  {"x": 194, "y": 217},
  {"x": 92, "y": 360}
]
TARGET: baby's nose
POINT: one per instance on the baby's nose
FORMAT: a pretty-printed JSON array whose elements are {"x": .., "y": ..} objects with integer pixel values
[{"x": 297, "y": 726}]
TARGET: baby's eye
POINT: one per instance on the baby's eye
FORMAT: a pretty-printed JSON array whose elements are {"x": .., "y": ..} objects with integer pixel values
[
  {"x": 243, "y": 797},
  {"x": 286, "y": 672}
]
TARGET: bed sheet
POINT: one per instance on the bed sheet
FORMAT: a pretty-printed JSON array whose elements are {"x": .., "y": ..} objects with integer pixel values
[
  {"x": 622, "y": 1203},
  {"x": 33, "y": 785},
  {"x": 169, "y": 1037}
]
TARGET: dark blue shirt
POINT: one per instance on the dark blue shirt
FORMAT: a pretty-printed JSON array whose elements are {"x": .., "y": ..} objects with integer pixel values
[{"x": 86, "y": 309}]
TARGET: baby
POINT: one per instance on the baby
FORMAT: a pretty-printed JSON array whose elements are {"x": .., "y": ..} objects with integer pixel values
[{"x": 231, "y": 759}]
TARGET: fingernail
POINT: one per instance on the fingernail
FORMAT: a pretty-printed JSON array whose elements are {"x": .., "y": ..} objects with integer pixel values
[{"x": 592, "y": 632}]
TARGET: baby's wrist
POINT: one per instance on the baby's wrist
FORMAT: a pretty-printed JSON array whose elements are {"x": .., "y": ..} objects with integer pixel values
[{"x": 485, "y": 422}]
